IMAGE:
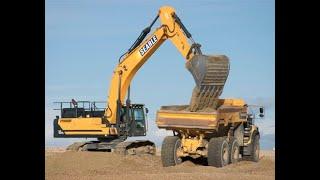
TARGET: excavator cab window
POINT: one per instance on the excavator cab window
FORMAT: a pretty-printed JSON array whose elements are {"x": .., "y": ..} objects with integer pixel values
[
  {"x": 138, "y": 126},
  {"x": 139, "y": 117}
]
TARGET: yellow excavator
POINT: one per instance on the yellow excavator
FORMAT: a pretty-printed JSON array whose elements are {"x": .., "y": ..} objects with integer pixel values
[
  {"x": 208, "y": 127},
  {"x": 121, "y": 119}
]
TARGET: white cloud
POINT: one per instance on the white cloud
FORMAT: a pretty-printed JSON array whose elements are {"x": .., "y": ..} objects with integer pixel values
[
  {"x": 266, "y": 125},
  {"x": 267, "y": 102},
  {"x": 162, "y": 133}
]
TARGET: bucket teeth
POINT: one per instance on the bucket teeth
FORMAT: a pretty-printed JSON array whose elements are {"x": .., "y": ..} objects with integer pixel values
[{"x": 210, "y": 74}]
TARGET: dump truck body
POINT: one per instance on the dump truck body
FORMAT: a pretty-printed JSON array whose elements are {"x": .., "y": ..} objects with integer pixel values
[{"x": 209, "y": 119}]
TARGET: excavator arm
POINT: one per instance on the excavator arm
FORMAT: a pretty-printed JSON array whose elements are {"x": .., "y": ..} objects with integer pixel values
[{"x": 171, "y": 28}]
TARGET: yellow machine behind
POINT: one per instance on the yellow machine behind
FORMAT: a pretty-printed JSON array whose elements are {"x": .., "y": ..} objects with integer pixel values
[{"x": 219, "y": 129}]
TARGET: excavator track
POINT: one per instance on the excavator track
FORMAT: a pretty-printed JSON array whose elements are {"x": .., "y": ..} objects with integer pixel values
[
  {"x": 77, "y": 146},
  {"x": 210, "y": 74},
  {"x": 138, "y": 147}
]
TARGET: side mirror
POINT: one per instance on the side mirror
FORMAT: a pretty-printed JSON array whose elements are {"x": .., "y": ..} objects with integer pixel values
[
  {"x": 147, "y": 110},
  {"x": 261, "y": 109}
]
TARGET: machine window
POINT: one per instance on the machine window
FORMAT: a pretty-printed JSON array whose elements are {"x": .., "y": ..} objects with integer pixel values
[{"x": 138, "y": 114}]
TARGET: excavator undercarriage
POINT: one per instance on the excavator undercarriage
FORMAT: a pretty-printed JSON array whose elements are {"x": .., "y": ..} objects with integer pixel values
[{"x": 118, "y": 146}]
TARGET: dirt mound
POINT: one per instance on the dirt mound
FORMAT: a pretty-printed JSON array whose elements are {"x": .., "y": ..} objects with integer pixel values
[
  {"x": 103, "y": 165},
  {"x": 187, "y": 164}
]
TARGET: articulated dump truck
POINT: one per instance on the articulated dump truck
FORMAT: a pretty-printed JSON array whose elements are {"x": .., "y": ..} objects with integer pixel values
[{"x": 220, "y": 130}]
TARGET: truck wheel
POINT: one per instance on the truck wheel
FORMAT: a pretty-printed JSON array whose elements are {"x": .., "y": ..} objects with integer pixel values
[
  {"x": 255, "y": 149},
  {"x": 234, "y": 151},
  {"x": 169, "y": 148},
  {"x": 218, "y": 152}
]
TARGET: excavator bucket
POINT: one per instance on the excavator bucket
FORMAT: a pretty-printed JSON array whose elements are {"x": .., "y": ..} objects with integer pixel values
[{"x": 210, "y": 74}]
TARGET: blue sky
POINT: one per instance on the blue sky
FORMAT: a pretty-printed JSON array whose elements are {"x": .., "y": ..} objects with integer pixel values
[{"x": 84, "y": 40}]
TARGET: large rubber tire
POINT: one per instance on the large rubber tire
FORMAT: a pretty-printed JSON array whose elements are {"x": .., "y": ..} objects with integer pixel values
[
  {"x": 234, "y": 151},
  {"x": 218, "y": 152},
  {"x": 169, "y": 148},
  {"x": 255, "y": 149}
]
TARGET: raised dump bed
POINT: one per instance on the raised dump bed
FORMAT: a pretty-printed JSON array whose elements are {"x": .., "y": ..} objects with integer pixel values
[{"x": 178, "y": 116}]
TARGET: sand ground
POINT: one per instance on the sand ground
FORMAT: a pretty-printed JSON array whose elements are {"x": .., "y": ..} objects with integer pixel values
[{"x": 61, "y": 164}]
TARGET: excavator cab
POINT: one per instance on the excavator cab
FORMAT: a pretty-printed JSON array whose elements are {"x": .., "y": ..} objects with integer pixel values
[{"x": 137, "y": 121}]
